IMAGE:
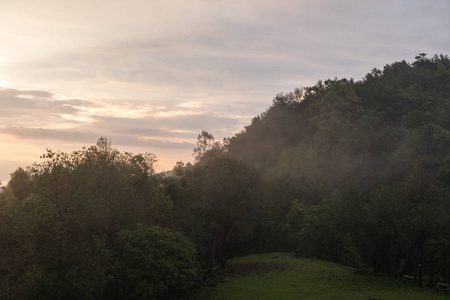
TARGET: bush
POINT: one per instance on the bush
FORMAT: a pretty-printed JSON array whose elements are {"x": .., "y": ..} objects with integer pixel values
[{"x": 152, "y": 263}]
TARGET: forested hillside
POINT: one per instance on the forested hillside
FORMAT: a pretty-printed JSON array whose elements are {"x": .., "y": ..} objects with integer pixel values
[
  {"x": 355, "y": 172},
  {"x": 359, "y": 171}
]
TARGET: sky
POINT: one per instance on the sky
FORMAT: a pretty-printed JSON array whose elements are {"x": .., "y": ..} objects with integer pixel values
[{"x": 151, "y": 75}]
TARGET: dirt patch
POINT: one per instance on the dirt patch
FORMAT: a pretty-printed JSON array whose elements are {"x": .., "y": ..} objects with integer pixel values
[{"x": 262, "y": 267}]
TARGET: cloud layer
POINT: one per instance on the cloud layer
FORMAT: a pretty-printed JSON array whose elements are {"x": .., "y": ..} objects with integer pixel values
[
  {"x": 39, "y": 115},
  {"x": 151, "y": 75}
]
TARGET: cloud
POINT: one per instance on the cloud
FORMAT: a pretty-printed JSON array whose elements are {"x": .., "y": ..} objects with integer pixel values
[
  {"x": 242, "y": 46},
  {"x": 156, "y": 73},
  {"x": 179, "y": 126},
  {"x": 13, "y": 98},
  {"x": 149, "y": 132},
  {"x": 48, "y": 134},
  {"x": 86, "y": 138},
  {"x": 41, "y": 112},
  {"x": 40, "y": 115}
]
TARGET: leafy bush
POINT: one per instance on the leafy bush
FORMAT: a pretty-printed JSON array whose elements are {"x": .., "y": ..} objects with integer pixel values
[{"x": 152, "y": 263}]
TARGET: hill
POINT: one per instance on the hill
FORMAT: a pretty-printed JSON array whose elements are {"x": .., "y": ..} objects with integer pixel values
[
  {"x": 282, "y": 276},
  {"x": 354, "y": 172}
]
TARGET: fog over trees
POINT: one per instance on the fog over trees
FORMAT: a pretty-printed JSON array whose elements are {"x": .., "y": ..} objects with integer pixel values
[{"x": 354, "y": 172}]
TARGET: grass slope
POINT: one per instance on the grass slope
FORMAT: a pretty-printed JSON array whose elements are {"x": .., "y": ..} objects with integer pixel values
[{"x": 281, "y": 276}]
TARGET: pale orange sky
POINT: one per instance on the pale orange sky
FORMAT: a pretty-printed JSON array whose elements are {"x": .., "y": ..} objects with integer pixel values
[{"x": 151, "y": 75}]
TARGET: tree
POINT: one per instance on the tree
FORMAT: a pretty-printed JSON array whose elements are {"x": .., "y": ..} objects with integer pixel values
[
  {"x": 223, "y": 192},
  {"x": 67, "y": 226},
  {"x": 19, "y": 182},
  {"x": 71, "y": 206},
  {"x": 205, "y": 144},
  {"x": 152, "y": 262}
]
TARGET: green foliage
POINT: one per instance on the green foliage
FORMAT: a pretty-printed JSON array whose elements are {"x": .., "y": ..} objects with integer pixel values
[
  {"x": 152, "y": 263},
  {"x": 206, "y": 146},
  {"x": 61, "y": 215},
  {"x": 19, "y": 183},
  {"x": 222, "y": 194},
  {"x": 368, "y": 163},
  {"x": 80, "y": 273}
]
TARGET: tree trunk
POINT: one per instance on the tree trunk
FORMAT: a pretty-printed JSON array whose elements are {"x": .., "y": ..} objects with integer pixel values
[{"x": 212, "y": 258}]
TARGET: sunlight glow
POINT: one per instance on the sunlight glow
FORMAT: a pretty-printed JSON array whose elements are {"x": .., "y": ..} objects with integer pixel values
[
  {"x": 191, "y": 104},
  {"x": 175, "y": 113},
  {"x": 75, "y": 118}
]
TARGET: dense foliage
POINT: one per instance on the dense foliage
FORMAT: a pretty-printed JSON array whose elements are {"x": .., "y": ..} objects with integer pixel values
[
  {"x": 152, "y": 263},
  {"x": 359, "y": 171},
  {"x": 69, "y": 230},
  {"x": 356, "y": 172}
]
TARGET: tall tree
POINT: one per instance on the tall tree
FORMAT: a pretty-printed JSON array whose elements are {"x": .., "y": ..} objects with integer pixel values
[{"x": 223, "y": 193}]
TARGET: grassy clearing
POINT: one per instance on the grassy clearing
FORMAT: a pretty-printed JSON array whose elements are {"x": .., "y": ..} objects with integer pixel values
[{"x": 281, "y": 276}]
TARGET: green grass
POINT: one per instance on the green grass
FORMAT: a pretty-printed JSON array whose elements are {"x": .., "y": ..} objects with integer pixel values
[{"x": 286, "y": 277}]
